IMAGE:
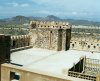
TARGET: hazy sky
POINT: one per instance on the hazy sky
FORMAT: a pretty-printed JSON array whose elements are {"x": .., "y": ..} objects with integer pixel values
[{"x": 80, "y": 9}]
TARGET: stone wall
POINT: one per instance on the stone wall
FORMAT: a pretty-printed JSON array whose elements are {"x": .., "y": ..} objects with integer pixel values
[
  {"x": 50, "y": 35},
  {"x": 20, "y": 41},
  {"x": 87, "y": 42},
  {"x": 27, "y": 74},
  {"x": 44, "y": 38}
]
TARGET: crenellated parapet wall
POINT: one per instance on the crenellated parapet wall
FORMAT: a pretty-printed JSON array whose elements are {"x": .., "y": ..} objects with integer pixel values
[
  {"x": 87, "y": 43},
  {"x": 50, "y": 24},
  {"x": 20, "y": 41}
]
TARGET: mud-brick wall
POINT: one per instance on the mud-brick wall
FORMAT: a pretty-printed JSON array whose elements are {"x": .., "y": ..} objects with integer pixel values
[{"x": 27, "y": 74}]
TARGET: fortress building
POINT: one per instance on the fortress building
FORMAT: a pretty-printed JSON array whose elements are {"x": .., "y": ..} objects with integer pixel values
[{"x": 45, "y": 55}]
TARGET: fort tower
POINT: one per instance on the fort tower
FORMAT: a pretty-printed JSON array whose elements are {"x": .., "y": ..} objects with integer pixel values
[{"x": 50, "y": 35}]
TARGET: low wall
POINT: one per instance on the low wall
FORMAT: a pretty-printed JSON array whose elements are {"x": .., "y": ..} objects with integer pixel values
[
  {"x": 85, "y": 43},
  {"x": 20, "y": 41},
  {"x": 27, "y": 74}
]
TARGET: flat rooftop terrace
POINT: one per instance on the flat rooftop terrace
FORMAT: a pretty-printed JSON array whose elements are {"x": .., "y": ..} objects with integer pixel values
[{"x": 49, "y": 61}]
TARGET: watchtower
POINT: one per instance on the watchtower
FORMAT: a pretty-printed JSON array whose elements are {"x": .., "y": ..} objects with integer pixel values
[{"x": 50, "y": 35}]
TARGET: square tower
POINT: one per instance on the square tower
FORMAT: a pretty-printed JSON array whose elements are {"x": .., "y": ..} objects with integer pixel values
[{"x": 50, "y": 35}]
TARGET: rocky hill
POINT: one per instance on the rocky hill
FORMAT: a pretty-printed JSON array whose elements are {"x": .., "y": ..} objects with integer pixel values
[{"x": 22, "y": 19}]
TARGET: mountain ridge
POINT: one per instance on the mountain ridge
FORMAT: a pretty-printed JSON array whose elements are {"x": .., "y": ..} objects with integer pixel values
[{"x": 23, "y": 19}]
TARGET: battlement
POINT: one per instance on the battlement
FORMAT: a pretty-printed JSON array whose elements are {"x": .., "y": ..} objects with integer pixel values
[
  {"x": 20, "y": 41},
  {"x": 87, "y": 43},
  {"x": 50, "y": 24}
]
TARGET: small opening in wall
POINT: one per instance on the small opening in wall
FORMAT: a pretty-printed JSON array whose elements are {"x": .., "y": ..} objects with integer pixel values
[
  {"x": 88, "y": 46},
  {"x": 66, "y": 25},
  {"x": 97, "y": 44},
  {"x": 94, "y": 46},
  {"x": 14, "y": 76},
  {"x": 14, "y": 43},
  {"x": 33, "y": 25},
  {"x": 72, "y": 45},
  {"x": 50, "y": 31}
]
